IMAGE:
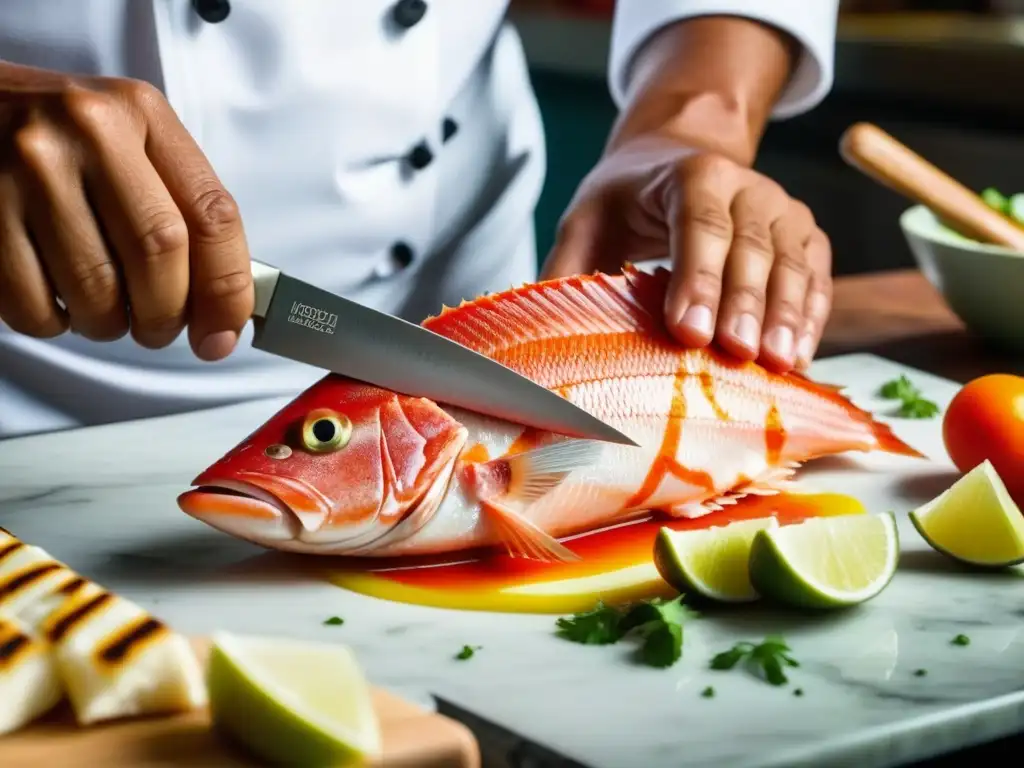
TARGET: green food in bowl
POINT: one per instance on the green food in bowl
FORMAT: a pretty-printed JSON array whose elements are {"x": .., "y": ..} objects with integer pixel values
[
  {"x": 995, "y": 199},
  {"x": 1012, "y": 206},
  {"x": 983, "y": 284}
]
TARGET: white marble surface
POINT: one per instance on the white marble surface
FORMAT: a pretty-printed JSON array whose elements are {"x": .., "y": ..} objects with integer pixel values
[{"x": 103, "y": 500}]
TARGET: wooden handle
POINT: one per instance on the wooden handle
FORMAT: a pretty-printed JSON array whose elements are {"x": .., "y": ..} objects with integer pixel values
[{"x": 875, "y": 153}]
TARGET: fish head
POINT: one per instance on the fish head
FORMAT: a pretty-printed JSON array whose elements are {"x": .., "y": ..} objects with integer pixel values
[{"x": 333, "y": 471}]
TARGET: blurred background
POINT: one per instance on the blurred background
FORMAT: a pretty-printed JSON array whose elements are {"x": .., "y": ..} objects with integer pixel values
[{"x": 940, "y": 76}]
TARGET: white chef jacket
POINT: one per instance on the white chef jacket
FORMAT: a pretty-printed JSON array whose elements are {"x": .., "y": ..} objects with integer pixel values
[{"x": 383, "y": 149}]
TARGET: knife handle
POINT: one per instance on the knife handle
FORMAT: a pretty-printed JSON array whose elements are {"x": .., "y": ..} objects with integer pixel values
[{"x": 264, "y": 281}]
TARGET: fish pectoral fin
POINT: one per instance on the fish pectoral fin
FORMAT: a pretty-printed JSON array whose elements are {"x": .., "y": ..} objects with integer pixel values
[
  {"x": 519, "y": 479},
  {"x": 524, "y": 539},
  {"x": 531, "y": 474},
  {"x": 773, "y": 481}
]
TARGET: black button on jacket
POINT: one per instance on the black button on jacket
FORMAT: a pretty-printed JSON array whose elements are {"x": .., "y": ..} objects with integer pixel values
[
  {"x": 212, "y": 11},
  {"x": 420, "y": 156},
  {"x": 408, "y": 13}
]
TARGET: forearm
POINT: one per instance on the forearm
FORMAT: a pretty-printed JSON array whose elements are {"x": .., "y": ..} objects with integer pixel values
[{"x": 710, "y": 82}]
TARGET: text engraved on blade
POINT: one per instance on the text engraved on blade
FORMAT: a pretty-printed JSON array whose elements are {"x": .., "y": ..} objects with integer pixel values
[{"x": 315, "y": 319}]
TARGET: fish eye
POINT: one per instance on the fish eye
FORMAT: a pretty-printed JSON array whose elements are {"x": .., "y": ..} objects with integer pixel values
[{"x": 325, "y": 431}]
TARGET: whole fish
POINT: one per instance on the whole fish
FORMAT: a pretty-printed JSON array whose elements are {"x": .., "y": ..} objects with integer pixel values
[{"x": 352, "y": 469}]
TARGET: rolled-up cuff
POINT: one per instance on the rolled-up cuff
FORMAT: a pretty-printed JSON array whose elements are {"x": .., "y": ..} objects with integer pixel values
[{"x": 811, "y": 22}]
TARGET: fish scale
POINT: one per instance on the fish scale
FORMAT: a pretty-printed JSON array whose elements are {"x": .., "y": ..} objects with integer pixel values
[{"x": 709, "y": 429}]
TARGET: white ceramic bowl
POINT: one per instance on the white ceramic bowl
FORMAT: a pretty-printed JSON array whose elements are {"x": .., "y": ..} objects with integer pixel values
[{"x": 982, "y": 284}]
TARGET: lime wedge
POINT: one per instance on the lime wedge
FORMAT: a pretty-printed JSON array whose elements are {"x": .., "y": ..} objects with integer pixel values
[
  {"x": 826, "y": 562},
  {"x": 711, "y": 562},
  {"x": 292, "y": 702},
  {"x": 974, "y": 521}
]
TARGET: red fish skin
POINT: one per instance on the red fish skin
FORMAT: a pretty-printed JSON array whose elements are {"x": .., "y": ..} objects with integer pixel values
[
  {"x": 597, "y": 340},
  {"x": 397, "y": 445}
]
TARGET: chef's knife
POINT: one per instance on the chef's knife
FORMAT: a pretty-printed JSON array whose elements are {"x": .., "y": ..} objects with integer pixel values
[{"x": 301, "y": 322}]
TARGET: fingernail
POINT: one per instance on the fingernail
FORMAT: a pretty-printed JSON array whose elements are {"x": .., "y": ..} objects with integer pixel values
[
  {"x": 780, "y": 341},
  {"x": 698, "y": 318},
  {"x": 217, "y": 346},
  {"x": 748, "y": 330},
  {"x": 805, "y": 349}
]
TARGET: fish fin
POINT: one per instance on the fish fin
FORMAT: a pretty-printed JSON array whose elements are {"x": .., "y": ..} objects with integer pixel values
[
  {"x": 533, "y": 473},
  {"x": 887, "y": 441},
  {"x": 691, "y": 509},
  {"x": 771, "y": 482},
  {"x": 629, "y": 302},
  {"x": 522, "y": 478},
  {"x": 821, "y": 384},
  {"x": 523, "y": 538},
  {"x": 885, "y": 438}
]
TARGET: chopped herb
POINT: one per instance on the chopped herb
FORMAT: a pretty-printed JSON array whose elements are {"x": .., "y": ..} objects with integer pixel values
[
  {"x": 770, "y": 656},
  {"x": 961, "y": 640},
  {"x": 662, "y": 643},
  {"x": 657, "y": 609},
  {"x": 729, "y": 659},
  {"x": 798, "y": 692},
  {"x": 898, "y": 389},
  {"x": 708, "y": 693},
  {"x": 912, "y": 404},
  {"x": 598, "y": 626},
  {"x": 334, "y": 621},
  {"x": 918, "y": 409},
  {"x": 467, "y": 652},
  {"x": 658, "y": 622},
  {"x": 920, "y": 672}
]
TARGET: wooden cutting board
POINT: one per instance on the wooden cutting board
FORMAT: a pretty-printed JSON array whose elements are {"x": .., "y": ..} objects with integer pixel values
[{"x": 412, "y": 737}]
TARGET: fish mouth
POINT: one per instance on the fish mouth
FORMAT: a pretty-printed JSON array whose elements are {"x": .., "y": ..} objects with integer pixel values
[
  {"x": 261, "y": 508},
  {"x": 242, "y": 512}
]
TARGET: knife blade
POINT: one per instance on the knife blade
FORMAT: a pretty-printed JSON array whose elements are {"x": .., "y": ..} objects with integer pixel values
[{"x": 301, "y": 322}]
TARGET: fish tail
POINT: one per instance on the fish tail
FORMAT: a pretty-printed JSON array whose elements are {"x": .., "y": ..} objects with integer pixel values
[
  {"x": 888, "y": 441},
  {"x": 885, "y": 439}
]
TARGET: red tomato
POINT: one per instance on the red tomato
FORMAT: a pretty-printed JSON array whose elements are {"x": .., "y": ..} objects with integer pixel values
[{"x": 985, "y": 420}]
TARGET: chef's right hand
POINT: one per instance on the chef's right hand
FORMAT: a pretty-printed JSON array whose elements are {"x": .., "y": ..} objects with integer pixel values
[{"x": 108, "y": 204}]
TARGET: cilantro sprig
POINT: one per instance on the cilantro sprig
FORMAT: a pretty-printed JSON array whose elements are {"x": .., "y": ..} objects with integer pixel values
[
  {"x": 657, "y": 623},
  {"x": 898, "y": 389},
  {"x": 912, "y": 404},
  {"x": 767, "y": 659},
  {"x": 467, "y": 652},
  {"x": 598, "y": 626}
]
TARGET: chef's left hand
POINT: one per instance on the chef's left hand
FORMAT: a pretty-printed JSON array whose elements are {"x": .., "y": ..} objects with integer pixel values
[{"x": 751, "y": 268}]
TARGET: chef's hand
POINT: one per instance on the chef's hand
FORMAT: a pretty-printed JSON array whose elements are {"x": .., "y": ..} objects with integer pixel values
[
  {"x": 751, "y": 269},
  {"x": 108, "y": 207}
]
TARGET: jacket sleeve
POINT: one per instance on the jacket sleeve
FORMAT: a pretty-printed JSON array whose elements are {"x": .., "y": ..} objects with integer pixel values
[{"x": 811, "y": 22}]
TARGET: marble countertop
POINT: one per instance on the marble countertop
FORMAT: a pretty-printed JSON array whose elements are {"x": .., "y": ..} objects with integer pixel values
[{"x": 103, "y": 500}]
